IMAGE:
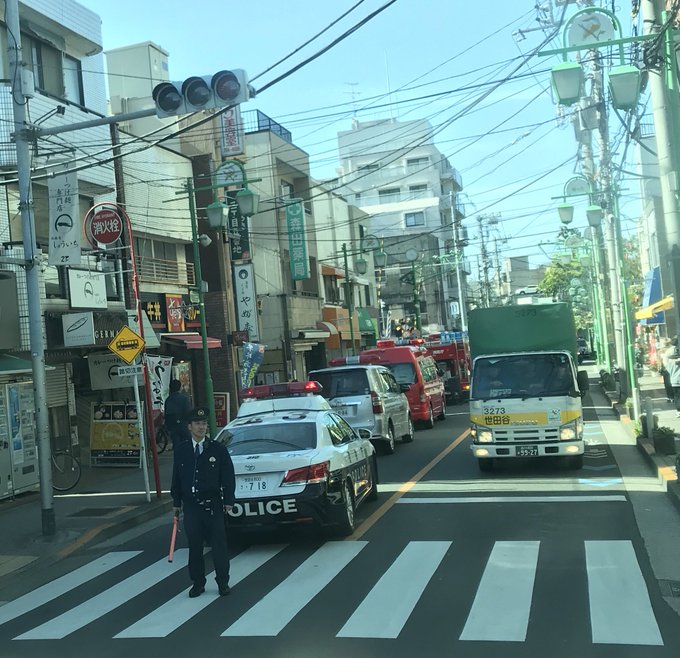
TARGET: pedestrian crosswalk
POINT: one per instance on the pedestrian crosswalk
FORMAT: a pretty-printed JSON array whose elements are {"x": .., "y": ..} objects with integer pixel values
[{"x": 615, "y": 601}]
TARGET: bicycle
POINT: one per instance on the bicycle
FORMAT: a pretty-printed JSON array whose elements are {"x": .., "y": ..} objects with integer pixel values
[
  {"x": 162, "y": 438},
  {"x": 66, "y": 471}
]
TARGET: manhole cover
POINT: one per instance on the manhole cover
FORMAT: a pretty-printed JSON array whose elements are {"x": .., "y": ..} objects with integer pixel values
[
  {"x": 96, "y": 511},
  {"x": 670, "y": 587}
]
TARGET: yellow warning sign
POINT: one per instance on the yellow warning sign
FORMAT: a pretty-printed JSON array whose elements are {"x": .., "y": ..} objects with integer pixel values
[{"x": 127, "y": 345}]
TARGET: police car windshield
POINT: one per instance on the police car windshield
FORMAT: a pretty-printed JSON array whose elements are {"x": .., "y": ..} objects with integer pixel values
[
  {"x": 261, "y": 439},
  {"x": 342, "y": 382},
  {"x": 404, "y": 373}
]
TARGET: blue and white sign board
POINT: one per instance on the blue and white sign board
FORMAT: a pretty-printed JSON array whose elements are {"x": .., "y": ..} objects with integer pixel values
[{"x": 78, "y": 329}]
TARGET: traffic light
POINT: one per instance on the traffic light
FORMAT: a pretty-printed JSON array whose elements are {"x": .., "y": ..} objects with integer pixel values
[{"x": 201, "y": 93}]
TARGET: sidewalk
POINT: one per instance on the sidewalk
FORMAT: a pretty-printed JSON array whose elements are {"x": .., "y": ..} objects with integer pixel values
[
  {"x": 651, "y": 386},
  {"x": 106, "y": 502}
]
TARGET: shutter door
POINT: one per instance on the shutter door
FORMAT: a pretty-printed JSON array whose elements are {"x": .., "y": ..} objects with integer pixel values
[{"x": 56, "y": 384}]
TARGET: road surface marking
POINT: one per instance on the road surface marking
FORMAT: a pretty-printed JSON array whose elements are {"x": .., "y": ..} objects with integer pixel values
[
  {"x": 103, "y": 603},
  {"x": 390, "y": 603},
  {"x": 517, "y": 499},
  {"x": 500, "y": 611},
  {"x": 620, "y": 609},
  {"x": 270, "y": 615},
  {"x": 180, "y": 609},
  {"x": 64, "y": 584},
  {"x": 405, "y": 488}
]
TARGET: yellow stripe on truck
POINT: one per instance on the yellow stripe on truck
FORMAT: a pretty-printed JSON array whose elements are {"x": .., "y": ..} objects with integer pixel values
[{"x": 532, "y": 419}]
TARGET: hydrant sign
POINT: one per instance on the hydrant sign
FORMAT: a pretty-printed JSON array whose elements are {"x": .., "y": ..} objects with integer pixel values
[{"x": 104, "y": 227}]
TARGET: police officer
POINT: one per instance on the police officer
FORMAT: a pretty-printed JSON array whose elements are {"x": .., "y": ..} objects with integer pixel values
[{"x": 203, "y": 486}]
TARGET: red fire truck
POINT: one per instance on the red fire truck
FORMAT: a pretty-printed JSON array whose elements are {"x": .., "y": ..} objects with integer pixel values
[{"x": 451, "y": 351}]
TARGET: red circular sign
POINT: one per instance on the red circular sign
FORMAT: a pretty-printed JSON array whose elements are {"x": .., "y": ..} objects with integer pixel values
[{"x": 106, "y": 226}]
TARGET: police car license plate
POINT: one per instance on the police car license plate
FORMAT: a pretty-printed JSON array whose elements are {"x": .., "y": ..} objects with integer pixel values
[
  {"x": 345, "y": 411},
  {"x": 526, "y": 451},
  {"x": 247, "y": 483}
]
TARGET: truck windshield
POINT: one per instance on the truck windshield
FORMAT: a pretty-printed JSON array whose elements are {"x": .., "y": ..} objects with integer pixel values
[{"x": 519, "y": 376}]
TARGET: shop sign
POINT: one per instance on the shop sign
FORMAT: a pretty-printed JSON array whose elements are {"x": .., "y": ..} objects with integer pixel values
[
  {"x": 104, "y": 373},
  {"x": 295, "y": 219},
  {"x": 114, "y": 432},
  {"x": 86, "y": 289},
  {"x": 232, "y": 132},
  {"x": 174, "y": 313},
  {"x": 246, "y": 301},
  {"x": 160, "y": 368},
  {"x": 78, "y": 329},
  {"x": 237, "y": 227},
  {"x": 156, "y": 309},
  {"x": 64, "y": 229},
  {"x": 221, "y": 409},
  {"x": 106, "y": 326}
]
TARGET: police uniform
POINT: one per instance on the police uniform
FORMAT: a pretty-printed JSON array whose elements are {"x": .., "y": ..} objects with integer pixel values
[{"x": 202, "y": 485}]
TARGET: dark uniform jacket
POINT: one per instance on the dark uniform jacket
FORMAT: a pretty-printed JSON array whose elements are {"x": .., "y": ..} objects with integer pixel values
[
  {"x": 177, "y": 408},
  {"x": 211, "y": 478}
]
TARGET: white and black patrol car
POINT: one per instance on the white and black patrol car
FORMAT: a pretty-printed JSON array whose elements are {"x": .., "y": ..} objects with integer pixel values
[{"x": 296, "y": 461}]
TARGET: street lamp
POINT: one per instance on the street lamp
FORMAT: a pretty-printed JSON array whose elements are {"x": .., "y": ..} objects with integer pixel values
[
  {"x": 567, "y": 81},
  {"x": 595, "y": 215},
  {"x": 566, "y": 212},
  {"x": 624, "y": 86}
]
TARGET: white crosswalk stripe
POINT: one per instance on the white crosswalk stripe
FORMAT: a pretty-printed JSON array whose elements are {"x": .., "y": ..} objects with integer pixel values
[
  {"x": 103, "y": 603},
  {"x": 389, "y": 604},
  {"x": 180, "y": 609},
  {"x": 620, "y": 609},
  {"x": 617, "y": 603},
  {"x": 501, "y": 607},
  {"x": 270, "y": 615}
]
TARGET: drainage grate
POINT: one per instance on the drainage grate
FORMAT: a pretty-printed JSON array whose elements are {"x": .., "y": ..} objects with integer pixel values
[
  {"x": 96, "y": 511},
  {"x": 670, "y": 588}
]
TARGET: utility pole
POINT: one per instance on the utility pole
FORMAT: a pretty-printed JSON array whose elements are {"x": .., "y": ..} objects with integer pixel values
[
  {"x": 35, "y": 320},
  {"x": 459, "y": 257},
  {"x": 349, "y": 295},
  {"x": 485, "y": 262}
]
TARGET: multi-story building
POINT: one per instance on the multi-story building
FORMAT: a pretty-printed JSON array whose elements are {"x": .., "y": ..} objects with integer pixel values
[{"x": 394, "y": 172}]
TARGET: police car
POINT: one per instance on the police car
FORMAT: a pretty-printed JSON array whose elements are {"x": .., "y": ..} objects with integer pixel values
[{"x": 296, "y": 461}]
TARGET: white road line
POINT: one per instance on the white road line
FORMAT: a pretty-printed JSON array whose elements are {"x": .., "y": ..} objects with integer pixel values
[
  {"x": 390, "y": 603},
  {"x": 180, "y": 609},
  {"x": 620, "y": 609},
  {"x": 269, "y": 616},
  {"x": 103, "y": 603},
  {"x": 500, "y": 611},
  {"x": 64, "y": 584},
  {"x": 613, "y": 498}
]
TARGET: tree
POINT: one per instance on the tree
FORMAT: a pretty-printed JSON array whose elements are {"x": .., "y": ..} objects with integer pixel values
[{"x": 557, "y": 278}]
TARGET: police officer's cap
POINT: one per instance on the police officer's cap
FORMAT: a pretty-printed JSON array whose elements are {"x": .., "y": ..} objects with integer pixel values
[{"x": 198, "y": 413}]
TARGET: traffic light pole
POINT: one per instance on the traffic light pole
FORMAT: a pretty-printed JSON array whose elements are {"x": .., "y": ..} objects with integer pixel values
[{"x": 37, "y": 345}]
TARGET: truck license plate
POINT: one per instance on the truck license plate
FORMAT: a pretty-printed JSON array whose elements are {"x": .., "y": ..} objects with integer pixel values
[{"x": 526, "y": 451}]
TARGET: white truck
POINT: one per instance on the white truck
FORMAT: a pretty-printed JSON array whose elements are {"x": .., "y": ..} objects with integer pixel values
[{"x": 525, "y": 394}]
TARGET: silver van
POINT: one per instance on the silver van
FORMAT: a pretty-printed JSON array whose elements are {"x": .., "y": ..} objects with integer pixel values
[{"x": 368, "y": 397}]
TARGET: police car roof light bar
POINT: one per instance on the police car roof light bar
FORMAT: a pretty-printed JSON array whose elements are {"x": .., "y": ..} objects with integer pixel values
[
  {"x": 361, "y": 359},
  {"x": 285, "y": 390}
]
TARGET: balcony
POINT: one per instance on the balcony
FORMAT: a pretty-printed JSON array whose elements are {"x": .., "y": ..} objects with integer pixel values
[
  {"x": 446, "y": 171},
  {"x": 155, "y": 270},
  {"x": 256, "y": 121}
]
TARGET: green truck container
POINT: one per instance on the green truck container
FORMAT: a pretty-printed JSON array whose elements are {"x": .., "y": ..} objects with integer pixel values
[{"x": 523, "y": 328}]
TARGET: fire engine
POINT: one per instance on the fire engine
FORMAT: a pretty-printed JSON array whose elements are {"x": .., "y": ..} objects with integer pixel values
[{"x": 451, "y": 351}]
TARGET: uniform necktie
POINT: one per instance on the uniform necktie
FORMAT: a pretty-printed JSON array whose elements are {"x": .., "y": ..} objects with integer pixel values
[{"x": 197, "y": 451}]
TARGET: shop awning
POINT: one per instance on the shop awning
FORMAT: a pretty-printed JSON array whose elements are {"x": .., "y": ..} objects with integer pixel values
[
  {"x": 329, "y": 270},
  {"x": 327, "y": 326},
  {"x": 13, "y": 365},
  {"x": 651, "y": 295},
  {"x": 191, "y": 341},
  {"x": 648, "y": 312},
  {"x": 309, "y": 334}
]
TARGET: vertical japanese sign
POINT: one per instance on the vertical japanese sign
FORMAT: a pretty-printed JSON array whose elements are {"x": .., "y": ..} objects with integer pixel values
[
  {"x": 232, "y": 132},
  {"x": 64, "y": 233},
  {"x": 159, "y": 378},
  {"x": 237, "y": 225},
  {"x": 295, "y": 218},
  {"x": 174, "y": 312},
  {"x": 246, "y": 300},
  {"x": 253, "y": 355}
]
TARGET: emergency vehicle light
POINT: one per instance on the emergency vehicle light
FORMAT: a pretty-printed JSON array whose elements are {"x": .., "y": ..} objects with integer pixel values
[
  {"x": 285, "y": 390},
  {"x": 384, "y": 343},
  {"x": 361, "y": 359}
]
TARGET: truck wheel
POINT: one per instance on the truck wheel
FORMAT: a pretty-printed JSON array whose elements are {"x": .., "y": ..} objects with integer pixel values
[
  {"x": 575, "y": 462},
  {"x": 485, "y": 464}
]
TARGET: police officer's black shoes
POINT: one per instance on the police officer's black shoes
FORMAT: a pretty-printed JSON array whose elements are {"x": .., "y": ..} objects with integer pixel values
[
  {"x": 196, "y": 590},
  {"x": 224, "y": 590}
]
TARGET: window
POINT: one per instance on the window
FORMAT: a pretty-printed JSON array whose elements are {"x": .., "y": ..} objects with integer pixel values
[
  {"x": 367, "y": 169},
  {"x": 45, "y": 62},
  {"x": 73, "y": 80},
  {"x": 414, "y": 218},
  {"x": 389, "y": 195},
  {"x": 417, "y": 191},
  {"x": 417, "y": 163}
]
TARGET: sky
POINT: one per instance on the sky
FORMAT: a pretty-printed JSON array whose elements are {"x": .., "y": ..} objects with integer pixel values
[{"x": 417, "y": 59}]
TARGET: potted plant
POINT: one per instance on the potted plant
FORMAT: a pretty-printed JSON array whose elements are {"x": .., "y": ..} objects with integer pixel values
[{"x": 664, "y": 440}]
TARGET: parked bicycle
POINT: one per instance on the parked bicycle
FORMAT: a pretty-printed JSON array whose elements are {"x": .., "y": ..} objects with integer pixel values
[
  {"x": 162, "y": 438},
  {"x": 66, "y": 471}
]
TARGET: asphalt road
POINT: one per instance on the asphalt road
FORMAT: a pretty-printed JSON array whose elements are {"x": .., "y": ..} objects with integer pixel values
[{"x": 529, "y": 560}]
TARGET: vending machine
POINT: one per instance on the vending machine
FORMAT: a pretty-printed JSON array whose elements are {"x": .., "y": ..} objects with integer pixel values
[{"x": 18, "y": 449}]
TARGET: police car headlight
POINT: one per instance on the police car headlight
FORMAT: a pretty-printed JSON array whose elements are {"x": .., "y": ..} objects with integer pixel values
[
  {"x": 481, "y": 434},
  {"x": 568, "y": 432}
]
